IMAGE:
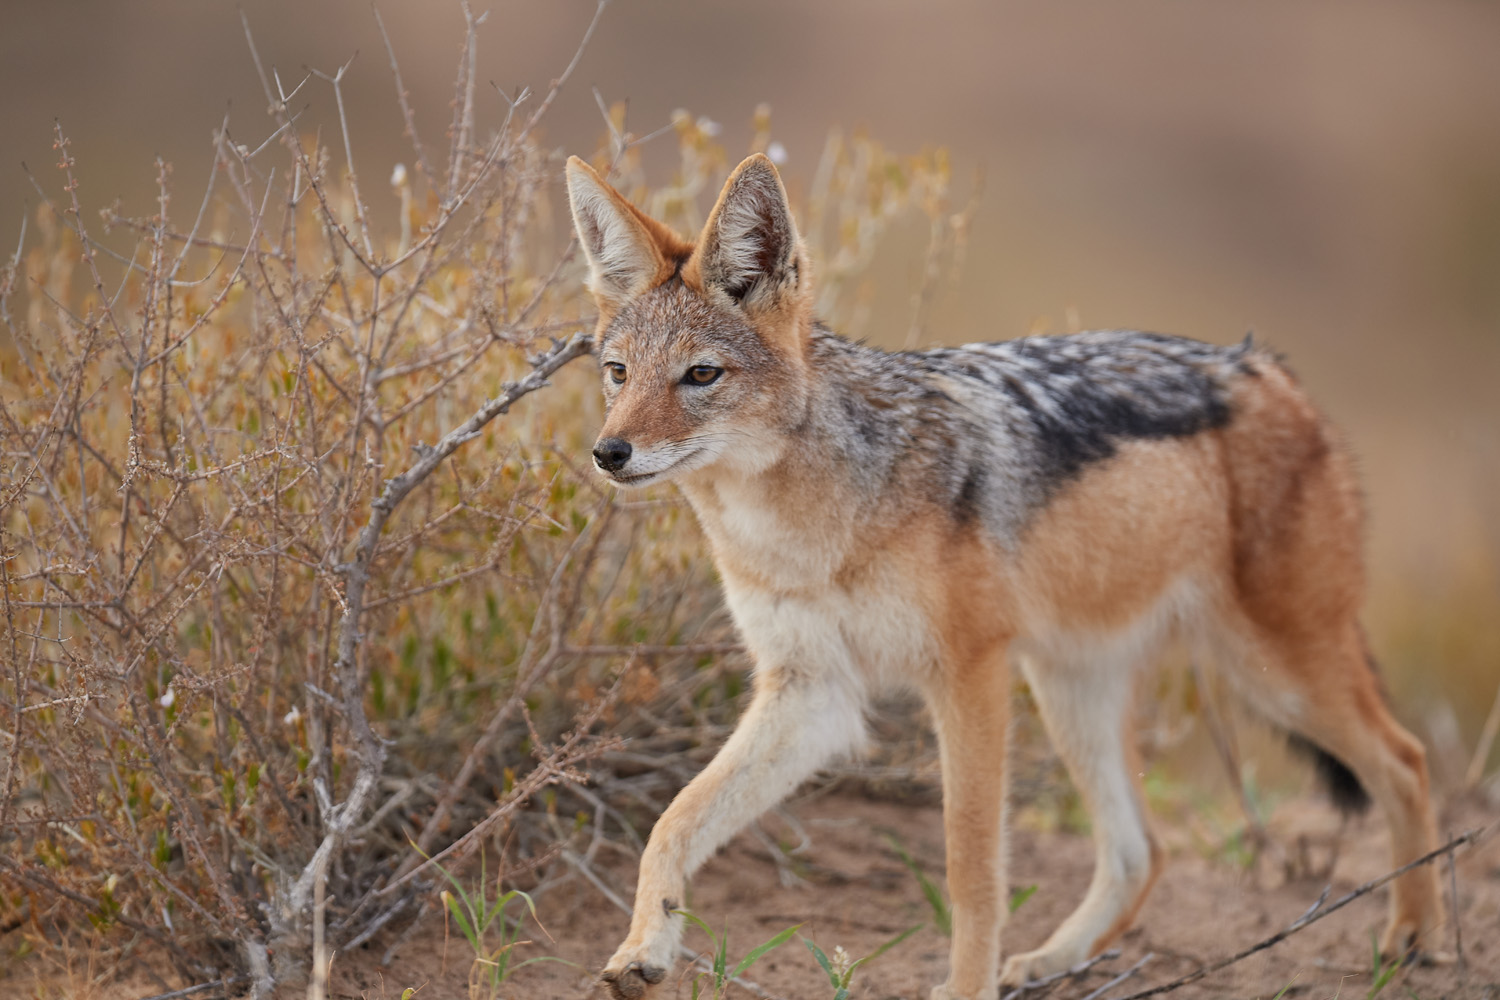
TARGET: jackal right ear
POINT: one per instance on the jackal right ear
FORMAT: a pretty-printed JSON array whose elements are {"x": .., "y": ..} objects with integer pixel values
[
  {"x": 627, "y": 250},
  {"x": 749, "y": 248}
]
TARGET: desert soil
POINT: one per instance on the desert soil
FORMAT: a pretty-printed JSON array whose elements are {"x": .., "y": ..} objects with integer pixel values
[{"x": 854, "y": 892}]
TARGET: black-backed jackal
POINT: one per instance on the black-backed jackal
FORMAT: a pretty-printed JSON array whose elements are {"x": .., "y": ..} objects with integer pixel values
[{"x": 928, "y": 519}]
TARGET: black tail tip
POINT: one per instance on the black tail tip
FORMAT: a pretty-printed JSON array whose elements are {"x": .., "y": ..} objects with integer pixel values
[{"x": 1342, "y": 785}]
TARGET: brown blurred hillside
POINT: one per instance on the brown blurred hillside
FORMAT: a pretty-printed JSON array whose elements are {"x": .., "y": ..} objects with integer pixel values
[{"x": 1327, "y": 175}]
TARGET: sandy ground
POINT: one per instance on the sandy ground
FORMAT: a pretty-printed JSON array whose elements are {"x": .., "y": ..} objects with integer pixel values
[{"x": 856, "y": 893}]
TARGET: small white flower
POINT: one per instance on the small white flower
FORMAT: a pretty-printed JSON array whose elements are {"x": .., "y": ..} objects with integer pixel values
[
  {"x": 709, "y": 127},
  {"x": 166, "y": 700},
  {"x": 777, "y": 152},
  {"x": 398, "y": 176},
  {"x": 291, "y": 717}
]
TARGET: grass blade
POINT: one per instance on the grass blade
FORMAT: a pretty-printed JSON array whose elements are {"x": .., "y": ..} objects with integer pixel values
[
  {"x": 756, "y": 953},
  {"x": 817, "y": 953},
  {"x": 887, "y": 946},
  {"x": 942, "y": 913},
  {"x": 1019, "y": 897}
]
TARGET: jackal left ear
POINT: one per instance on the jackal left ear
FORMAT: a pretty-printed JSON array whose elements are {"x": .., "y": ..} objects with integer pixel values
[
  {"x": 628, "y": 251},
  {"x": 749, "y": 248}
]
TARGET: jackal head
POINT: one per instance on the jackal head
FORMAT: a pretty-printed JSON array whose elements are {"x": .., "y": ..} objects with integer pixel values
[{"x": 702, "y": 347}]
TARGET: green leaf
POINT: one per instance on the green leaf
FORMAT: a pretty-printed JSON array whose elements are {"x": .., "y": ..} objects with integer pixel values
[
  {"x": 462, "y": 920},
  {"x": 887, "y": 946},
  {"x": 942, "y": 913},
  {"x": 721, "y": 957},
  {"x": 694, "y": 919},
  {"x": 1018, "y": 897},
  {"x": 550, "y": 958},
  {"x": 817, "y": 953},
  {"x": 755, "y": 954}
]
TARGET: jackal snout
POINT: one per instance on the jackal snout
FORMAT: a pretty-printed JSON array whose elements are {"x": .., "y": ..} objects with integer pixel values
[{"x": 611, "y": 454}]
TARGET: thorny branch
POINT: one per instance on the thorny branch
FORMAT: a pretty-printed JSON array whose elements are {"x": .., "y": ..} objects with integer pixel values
[{"x": 357, "y": 576}]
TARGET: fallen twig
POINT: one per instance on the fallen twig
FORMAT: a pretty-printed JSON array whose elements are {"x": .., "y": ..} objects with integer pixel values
[
  {"x": 201, "y": 987},
  {"x": 1312, "y": 916},
  {"x": 1458, "y": 933},
  {"x": 1077, "y": 970},
  {"x": 1121, "y": 977}
]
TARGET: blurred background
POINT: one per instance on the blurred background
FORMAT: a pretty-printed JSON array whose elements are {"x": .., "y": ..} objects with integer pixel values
[{"x": 1326, "y": 175}]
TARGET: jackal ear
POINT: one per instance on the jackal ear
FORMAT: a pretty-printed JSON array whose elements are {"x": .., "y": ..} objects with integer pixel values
[
  {"x": 749, "y": 248},
  {"x": 624, "y": 247}
]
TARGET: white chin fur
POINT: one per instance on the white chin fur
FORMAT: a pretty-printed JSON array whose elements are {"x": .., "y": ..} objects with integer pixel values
[
  {"x": 634, "y": 479},
  {"x": 630, "y": 482}
]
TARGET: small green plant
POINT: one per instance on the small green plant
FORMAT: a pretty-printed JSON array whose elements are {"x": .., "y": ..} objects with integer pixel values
[
  {"x": 1019, "y": 896},
  {"x": 840, "y": 969},
  {"x": 475, "y": 913},
  {"x": 942, "y": 913},
  {"x": 1380, "y": 971},
  {"x": 1283, "y": 991},
  {"x": 720, "y": 976}
]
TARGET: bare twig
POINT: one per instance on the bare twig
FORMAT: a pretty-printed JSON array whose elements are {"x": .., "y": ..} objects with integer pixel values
[
  {"x": 1077, "y": 970},
  {"x": 1312, "y": 916},
  {"x": 200, "y": 988},
  {"x": 357, "y": 576},
  {"x": 1458, "y": 931},
  {"x": 1117, "y": 980}
]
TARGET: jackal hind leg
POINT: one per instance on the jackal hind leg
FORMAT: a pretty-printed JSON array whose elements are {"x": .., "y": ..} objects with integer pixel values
[
  {"x": 1337, "y": 704},
  {"x": 1086, "y": 709}
]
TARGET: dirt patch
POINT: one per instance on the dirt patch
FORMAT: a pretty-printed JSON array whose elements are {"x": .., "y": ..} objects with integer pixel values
[
  {"x": 857, "y": 894},
  {"x": 848, "y": 888}
]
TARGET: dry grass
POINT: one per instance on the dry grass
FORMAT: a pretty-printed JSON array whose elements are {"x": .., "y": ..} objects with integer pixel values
[
  {"x": 294, "y": 595},
  {"x": 289, "y": 585}
]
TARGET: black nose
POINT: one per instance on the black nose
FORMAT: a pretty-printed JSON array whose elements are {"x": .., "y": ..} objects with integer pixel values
[{"x": 611, "y": 454}]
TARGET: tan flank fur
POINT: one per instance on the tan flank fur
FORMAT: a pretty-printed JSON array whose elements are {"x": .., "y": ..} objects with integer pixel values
[{"x": 1057, "y": 505}]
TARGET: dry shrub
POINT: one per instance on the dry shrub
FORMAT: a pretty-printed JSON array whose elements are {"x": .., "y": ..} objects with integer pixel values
[{"x": 288, "y": 583}]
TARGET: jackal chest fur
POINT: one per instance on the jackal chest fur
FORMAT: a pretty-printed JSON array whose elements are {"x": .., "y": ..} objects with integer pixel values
[{"x": 810, "y": 589}]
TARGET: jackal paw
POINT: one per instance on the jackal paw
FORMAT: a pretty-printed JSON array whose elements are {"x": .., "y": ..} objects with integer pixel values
[
  {"x": 632, "y": 981},
  {"x": 947, "y": 992},
  {"x": 1409, "y": 940},
  {"x": 1032, "y": 965}
]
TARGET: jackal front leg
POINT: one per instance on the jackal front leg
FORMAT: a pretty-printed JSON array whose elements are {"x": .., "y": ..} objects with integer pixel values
[
  {"x": 795, "y": 723},
  {"x": 971, "y": 705}
]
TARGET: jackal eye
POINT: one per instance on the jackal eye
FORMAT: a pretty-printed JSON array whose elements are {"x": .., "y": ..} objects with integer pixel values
[
  {"x": 702, "y": 374},
  {"x": 616, "y": 372}
]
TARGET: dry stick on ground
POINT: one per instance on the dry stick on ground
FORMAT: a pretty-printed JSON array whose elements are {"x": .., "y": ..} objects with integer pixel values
[
  {"x": 1077, "y": 970},
  {"x": 1458, "y": 931},
  {"x": 201, "y": 987},
  {"x": 1117, "y": 980},
  {"x": 1317, "y": 912}
]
